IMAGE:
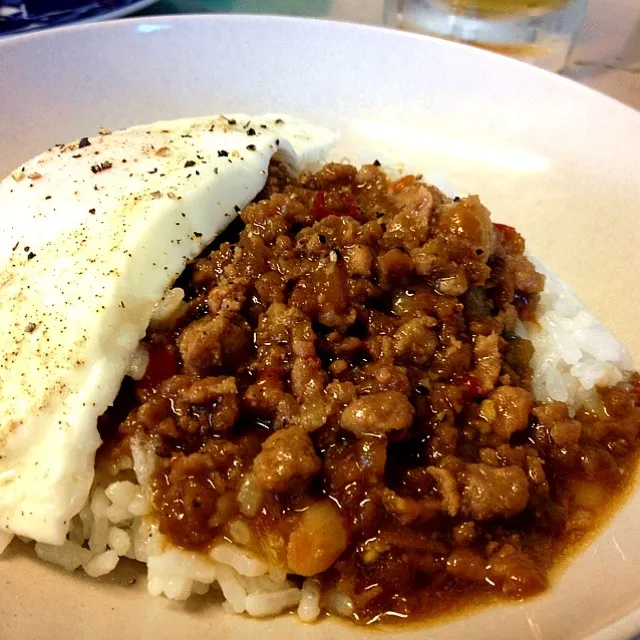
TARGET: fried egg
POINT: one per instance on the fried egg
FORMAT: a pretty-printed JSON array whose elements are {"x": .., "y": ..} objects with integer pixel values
[{"x": 92, "y": 234}]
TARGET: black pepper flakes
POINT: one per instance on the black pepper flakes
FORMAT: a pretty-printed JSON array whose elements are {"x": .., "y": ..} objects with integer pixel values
[
  {"x": 376, "y": 163},
  {"x": 48, "y": 198},
  {"x": 189, "y": 163},
  {"x": 279, "y": 121},
  {"x": 251, "y": 132},
  {"x": 456, "y": 199},
  {"x": 84, "y": 142},
  {"x": 97, "y": 168},
  {"x": 92, "y": 211},
  {"x": 30, "y": 328},
  {"x": 222, "y": 153},
  {"x": 231, "y": 121},
  {"x": 153, "y": 171},
  {"x": 77, "y": 155},
  {"x": 215, "y": 170},
  {"x": 251, "y": 147},
  {"x": 197, "y": 234},
  {"x": 31, "y": 255},
  {"x": 236, "y": 208}
]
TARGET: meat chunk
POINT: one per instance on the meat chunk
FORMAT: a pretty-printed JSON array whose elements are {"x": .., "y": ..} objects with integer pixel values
[
  {"x": 447, "y": 488},
  {"x": 408, "y": 510},
  {"x": 394, "y": 268},
  {"x": 410, "y": 227},
  {"x": 210, "y": 389},
  {"x": 212, "y": 342},
  {"x": 416, "y": 341},
  {"x": 454, "y": 283},
  {"x": 555, "y": 416},
  {"x": 491, "y": 492},
  {"x": 467, "y": 565},
  {"x": 358, "y": 260},
  {"x": 469, "y": 221},
  {"x": 226, "y": 298},
  {"x": 378, "y": 414},
  {"x": 487, "y": 358},
  {"x": 287, "y": 458},
  {"x": 362, "y": 463},
  {"x": 324, "y": 295},
  {"x": 507, "y": 410},
  {"x": 194, "y": 485},
  {"x": 263, "y": 397},
  {"x": 527, "y": 279}
]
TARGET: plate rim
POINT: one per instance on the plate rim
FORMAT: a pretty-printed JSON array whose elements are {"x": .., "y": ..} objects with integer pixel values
[{"x": 200, "y": 18}]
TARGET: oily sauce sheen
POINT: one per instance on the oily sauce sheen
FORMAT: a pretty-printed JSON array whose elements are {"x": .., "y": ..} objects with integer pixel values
[{"x": 344, "y": 393}]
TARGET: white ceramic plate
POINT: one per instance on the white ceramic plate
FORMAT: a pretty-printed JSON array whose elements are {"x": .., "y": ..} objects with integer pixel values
[{"x": 558, "y": 161}]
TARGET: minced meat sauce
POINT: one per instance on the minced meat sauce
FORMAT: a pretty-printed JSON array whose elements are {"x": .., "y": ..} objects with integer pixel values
[{"x": 343, "y": 392}]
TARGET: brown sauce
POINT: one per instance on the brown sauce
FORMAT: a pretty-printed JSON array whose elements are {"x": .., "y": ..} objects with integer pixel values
[{"x": 343, "y": 392}]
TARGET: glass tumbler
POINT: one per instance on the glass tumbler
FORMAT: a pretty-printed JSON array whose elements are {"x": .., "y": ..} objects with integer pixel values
[{"x": 538, "y": 31}]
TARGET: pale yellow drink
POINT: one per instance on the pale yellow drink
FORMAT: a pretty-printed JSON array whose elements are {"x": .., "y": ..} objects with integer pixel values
[{"x": 504, "y": 7}]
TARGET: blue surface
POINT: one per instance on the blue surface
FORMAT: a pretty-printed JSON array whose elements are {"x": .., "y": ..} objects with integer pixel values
[{"x": 31, "y": 15}]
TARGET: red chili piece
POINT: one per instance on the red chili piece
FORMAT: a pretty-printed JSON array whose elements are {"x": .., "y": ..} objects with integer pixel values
[
  {"x": 507, "y": 231},
  {"x": 470, "y": 387},
  {"x": 321, "y": 210},
  {"x": 162, "y": 365}
]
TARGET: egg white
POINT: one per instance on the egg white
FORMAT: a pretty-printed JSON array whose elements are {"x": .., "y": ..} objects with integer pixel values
[{"x": 91, "y": 236}]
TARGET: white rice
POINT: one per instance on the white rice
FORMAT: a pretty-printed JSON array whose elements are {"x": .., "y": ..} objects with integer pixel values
[
  {"x": 138, "y": 363},
  {"x": 102, "y": 564},
  {"x": 244, "y": 563},
  {"x": 168, "y": 309},
  {"x": 574, "y": 352},
  {"x": 309, "y": 607}
]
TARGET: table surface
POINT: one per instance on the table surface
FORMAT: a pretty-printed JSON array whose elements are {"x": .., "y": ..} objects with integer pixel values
[{"x": 606, "y": 56}]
